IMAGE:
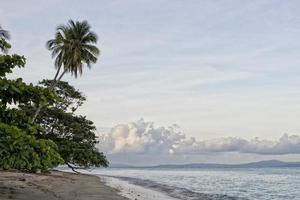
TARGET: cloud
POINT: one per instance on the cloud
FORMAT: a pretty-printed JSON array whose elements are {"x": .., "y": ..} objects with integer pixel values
[{"x": 143, "y": 137}]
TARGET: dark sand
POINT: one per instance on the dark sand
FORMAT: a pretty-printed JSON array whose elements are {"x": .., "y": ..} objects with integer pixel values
[{"x": 54, "y": 186}]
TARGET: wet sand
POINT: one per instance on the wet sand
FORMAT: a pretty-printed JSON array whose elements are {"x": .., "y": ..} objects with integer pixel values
[{"x": 54, "y": 186}]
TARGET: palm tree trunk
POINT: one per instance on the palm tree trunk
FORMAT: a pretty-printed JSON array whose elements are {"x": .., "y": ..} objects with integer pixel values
[
  {"x": 54, "y": 82},
  {"x": 61, "y": 75},
  {"x": 55, "y": 77}
]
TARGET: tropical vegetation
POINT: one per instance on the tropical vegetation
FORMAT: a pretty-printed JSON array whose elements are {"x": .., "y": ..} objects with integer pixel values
[
  {"x": 73, "y": 134},
  {"x": 73, "y": 48},
  {"x": 33, "y": 142}
]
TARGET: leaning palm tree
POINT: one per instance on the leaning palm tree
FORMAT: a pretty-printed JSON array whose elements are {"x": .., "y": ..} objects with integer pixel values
[{"x": 73, "y": 48}]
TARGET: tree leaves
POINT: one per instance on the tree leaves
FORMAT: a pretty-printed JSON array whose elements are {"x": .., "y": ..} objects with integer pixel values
[
  {"x": 58, "y": 136},
  {"x": 73, "y": 134},
  {"x": 9, "y": 62},
  {"x": 20, "y": 149}
]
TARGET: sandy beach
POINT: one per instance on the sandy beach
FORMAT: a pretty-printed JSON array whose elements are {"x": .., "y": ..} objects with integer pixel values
[{"x": 54, "y": 186}]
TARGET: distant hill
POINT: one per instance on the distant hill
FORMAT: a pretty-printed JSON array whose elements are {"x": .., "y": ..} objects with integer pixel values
[
  {"x": 260, "y": 164},
  {"x": 120, "y": 166}
]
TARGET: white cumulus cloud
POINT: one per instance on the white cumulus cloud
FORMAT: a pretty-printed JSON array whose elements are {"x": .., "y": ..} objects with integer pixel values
[{"x": 143, "y": 137}]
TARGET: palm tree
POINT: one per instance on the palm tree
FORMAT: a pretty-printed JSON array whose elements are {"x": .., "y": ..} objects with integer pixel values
[
  {"x": 4, "y": 35},
  {"x": 73, "y": 48}
]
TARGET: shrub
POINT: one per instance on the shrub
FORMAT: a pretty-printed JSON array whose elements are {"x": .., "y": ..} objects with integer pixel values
[{"x": 19, "y": 150}]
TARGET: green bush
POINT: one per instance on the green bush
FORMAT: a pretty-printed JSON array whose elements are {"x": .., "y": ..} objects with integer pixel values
[
  {"x": 19, "y": 150},
  {"x": 19, "y": 147}
]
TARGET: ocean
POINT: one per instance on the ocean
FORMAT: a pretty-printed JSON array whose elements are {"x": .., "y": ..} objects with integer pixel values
[{"x": 206, "y": 184}]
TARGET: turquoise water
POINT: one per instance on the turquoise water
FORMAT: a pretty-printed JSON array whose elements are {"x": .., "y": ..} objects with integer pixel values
[{"x": 216, "y": 184}]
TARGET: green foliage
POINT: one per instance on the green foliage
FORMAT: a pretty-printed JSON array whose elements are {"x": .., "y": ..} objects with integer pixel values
[
  {"x": 18, "y": 92},
  {"x": 58, "y": 135},
  {"x": 20, "y": 119},
  {"x": 19, "y": 147},
  {"x": 69, "y": 99},
  {"x": 76, "y": 140},
  {"x": 19, "y": 150},
  {"x": 73, "y": 134},
  {"x": 8, "y": 62},
  {"x": 4, "y": 45}
]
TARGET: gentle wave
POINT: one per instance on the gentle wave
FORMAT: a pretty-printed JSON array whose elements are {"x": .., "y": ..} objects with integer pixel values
[{"x": 175, "y": 192}]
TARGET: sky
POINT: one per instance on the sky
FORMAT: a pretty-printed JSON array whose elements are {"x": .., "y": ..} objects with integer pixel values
[{"x": 225, "y": 73}]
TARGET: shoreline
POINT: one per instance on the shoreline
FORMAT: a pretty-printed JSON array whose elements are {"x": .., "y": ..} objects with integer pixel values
[
  {"x": 125, "y": 188},
  {"x": 55, "y": 186},
  {"x": 134, "y": 191}
]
